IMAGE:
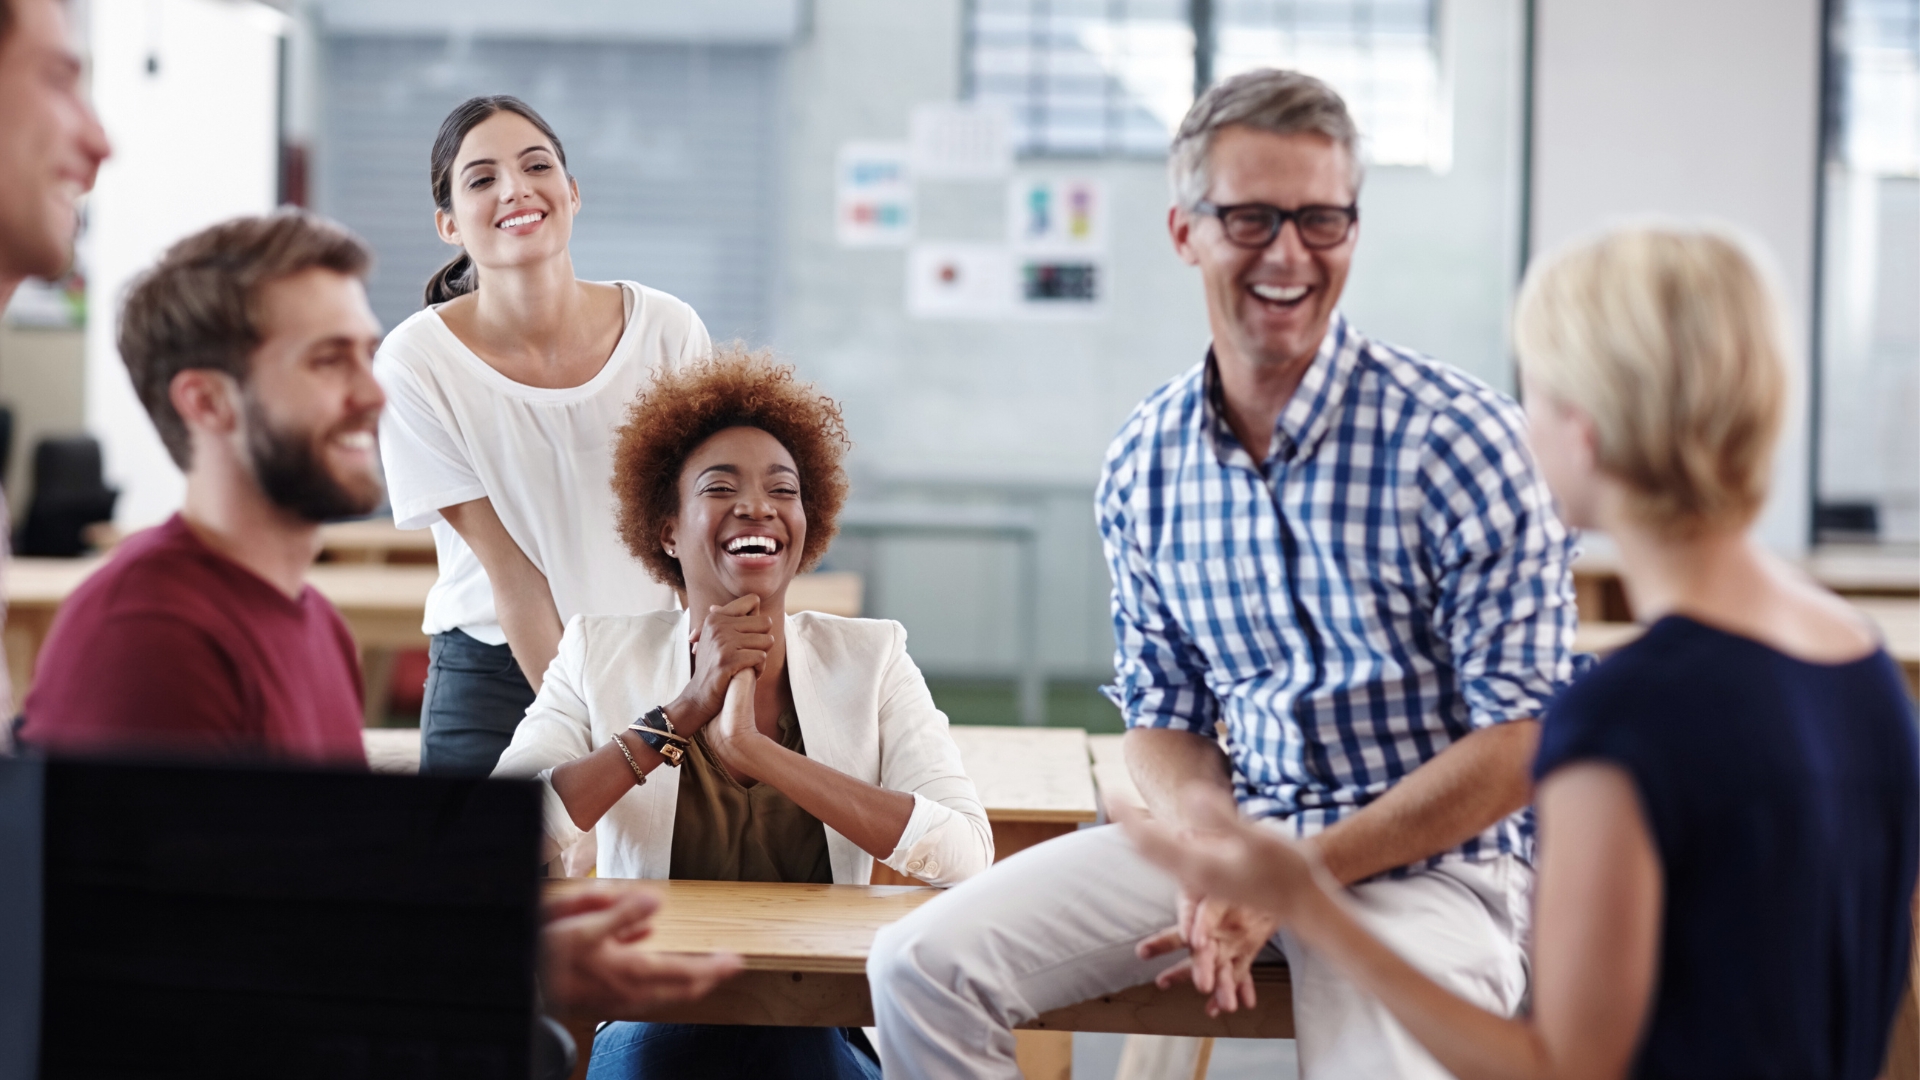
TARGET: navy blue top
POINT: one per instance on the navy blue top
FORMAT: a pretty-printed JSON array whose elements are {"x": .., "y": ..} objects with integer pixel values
[{"x": 1784, "y": 799}]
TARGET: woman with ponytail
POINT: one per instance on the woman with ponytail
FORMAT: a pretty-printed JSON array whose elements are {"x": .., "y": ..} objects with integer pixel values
[{"x": 503, "y": 397}]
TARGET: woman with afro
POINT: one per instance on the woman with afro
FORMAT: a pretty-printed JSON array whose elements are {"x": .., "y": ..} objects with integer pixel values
[{"x": 734, "y": 741}]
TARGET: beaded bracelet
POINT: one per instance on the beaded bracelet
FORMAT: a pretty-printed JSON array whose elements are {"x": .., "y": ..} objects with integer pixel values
[{"x": 638, "y": 776}]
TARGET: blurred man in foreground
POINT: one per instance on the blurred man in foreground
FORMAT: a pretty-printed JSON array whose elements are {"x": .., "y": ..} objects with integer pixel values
[{"x": 51, "y": 145}]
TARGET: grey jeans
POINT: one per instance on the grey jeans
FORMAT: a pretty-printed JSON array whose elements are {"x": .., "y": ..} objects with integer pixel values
[
  {"x": 1057, "y": 924},
  {"x": 475, "y": 697}
]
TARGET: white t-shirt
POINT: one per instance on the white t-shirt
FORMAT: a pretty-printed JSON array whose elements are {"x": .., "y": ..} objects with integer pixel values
[{"x": 456, "y": 430}]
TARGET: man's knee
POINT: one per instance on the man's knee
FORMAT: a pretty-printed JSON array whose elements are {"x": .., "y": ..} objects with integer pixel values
[{"x": 915, "y": 957}]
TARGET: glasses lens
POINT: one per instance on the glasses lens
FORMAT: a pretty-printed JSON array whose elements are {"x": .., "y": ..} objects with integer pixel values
[
  {"x": 1250, "y": 225},
  {"x": 1323, "y": 226}
]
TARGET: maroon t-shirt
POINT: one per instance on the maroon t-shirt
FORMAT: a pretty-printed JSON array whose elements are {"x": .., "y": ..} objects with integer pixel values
[{"x": 175, "y": 649}]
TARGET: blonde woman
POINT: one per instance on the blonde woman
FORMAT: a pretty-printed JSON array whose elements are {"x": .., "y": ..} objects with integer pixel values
[{"x": 1728, "y": 806}]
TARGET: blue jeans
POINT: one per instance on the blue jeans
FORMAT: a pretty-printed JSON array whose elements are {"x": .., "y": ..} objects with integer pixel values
[
  {"x": 635, "y": 1051},
  {"x": 475, "y": 697}
]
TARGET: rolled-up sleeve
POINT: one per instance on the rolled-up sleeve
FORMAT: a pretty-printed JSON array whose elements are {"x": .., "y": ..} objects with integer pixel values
[
  {"x": 1505, "y": 603},
  {"x": 557, "y": 729},
  {"x": 1159, "y": 676},
  {"x": 947, "y": 839}
]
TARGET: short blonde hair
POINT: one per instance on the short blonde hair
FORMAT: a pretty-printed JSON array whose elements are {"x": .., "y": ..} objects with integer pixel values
[{"x": 1669, "y": 338}]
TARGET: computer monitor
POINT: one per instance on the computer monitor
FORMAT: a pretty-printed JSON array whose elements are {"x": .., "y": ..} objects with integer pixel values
[{"x": 247, "y": 921}]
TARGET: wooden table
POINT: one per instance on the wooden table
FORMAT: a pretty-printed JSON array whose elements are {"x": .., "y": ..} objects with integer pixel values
[
  {"x": 1035, "y": 783},
  {"x": 804, "y": 949},
  {"x": 382, "y": 606},
  {"x": 1898, "y": 620},
  {"x": 1111, "y": 775},
  {"x": 383, "y": 603},
  {"x": 1849, "y": 569},
  {"x": 375, "y": 541}
]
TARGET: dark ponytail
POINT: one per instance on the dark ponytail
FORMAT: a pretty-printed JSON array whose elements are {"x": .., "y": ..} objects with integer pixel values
[
  {"x": 460, "y": 276},
  {"x": 454, "y": 279}
]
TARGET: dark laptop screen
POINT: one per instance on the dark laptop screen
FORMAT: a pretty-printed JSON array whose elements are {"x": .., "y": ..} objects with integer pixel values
[{"x": 282, "y": 922}]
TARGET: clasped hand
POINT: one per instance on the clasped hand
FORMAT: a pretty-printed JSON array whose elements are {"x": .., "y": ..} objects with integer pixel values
[
  {"x": 733, "y": 638},
  {"x": 734, "y": 729},
  {"x": 1239, "y": 885}
]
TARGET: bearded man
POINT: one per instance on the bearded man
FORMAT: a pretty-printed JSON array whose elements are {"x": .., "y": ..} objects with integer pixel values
[{"x": 251, "y": 345}]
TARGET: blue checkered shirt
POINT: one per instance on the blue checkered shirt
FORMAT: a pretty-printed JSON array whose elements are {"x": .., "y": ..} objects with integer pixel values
[{"x": 1390, "y": 578}]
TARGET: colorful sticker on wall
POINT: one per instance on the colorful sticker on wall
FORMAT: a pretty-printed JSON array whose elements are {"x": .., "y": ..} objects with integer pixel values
[
  {"x": 873, "y": 195},
  {"x": 1061, "y": 286},
  {"x": 1053, "y": 214}
]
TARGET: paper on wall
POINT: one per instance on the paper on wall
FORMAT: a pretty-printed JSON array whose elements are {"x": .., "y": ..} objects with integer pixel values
[
  {"x": 961, "y": 141},
  {"x": 1060, "y": 285},
  {"x": 959, "y": 281},
  {"x": 873, "y": 195},
  {"x": 1057, "y": 214}
]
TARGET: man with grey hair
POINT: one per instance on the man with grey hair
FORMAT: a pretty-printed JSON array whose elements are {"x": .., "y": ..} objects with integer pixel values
[{"x": 1341, "y": 600}]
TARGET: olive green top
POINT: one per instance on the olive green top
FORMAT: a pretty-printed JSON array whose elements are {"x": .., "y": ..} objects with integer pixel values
[{"x": 723, "y": 831}]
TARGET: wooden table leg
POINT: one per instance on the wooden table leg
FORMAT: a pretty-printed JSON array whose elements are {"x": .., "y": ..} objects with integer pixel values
[
  {"x": 1044, "y": 1055},
  {"x": 26, "y": 631},
  {"x": 582, "y": 1032},
  {"x": 1165, "y": 1057}
]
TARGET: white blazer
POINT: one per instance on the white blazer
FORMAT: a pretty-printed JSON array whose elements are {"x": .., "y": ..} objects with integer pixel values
[{"x": 862, "y": 705}]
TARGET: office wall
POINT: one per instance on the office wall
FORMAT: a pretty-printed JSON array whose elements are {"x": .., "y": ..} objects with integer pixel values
[
  {"x": 187, "y": 91},
  {"x": 1021, "y": 412},
  {"x": 43, "y": 378},
  {"x": 1689, "y": 108},
  {"x": 674, "y": 147}
]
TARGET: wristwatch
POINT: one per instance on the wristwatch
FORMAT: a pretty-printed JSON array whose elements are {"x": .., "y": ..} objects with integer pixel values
[{"x": 657, "y": 732}]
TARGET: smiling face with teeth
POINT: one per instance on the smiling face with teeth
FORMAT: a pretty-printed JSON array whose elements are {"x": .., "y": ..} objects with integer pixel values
[
  {"x": 741, "y": 526},
  {"x": 513, "y": 202},
  {"x": 51, "y": 144},
  {"x": 310, "y": 401},
  {"x": 1269, "y": 308}
]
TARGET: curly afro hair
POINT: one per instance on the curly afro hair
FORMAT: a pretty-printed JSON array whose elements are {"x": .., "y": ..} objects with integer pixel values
[{"x": 679, "y": 410}]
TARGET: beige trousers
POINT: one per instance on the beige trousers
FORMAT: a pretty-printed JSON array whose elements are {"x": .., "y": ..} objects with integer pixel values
[{"x": 1057, "y": 924}]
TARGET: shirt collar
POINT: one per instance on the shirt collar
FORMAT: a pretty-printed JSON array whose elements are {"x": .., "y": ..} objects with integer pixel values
[{"x": 1308, "y": 413}]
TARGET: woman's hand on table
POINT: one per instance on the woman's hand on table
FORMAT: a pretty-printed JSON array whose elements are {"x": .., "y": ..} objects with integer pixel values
[
  {"x": 590, "y": 963},
  {"x": 731, "y": 639}
]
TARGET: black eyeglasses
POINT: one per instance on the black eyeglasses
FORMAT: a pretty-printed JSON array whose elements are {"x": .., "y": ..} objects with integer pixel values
[{"x": 1255, "y": 225}]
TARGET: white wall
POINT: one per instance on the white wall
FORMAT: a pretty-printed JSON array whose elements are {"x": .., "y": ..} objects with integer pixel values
[
  {"x": 1690, "y": 108},
  {"x": 1022, "y": 412},
  {"x": 736, "y": 21},
  {"x": 194, "y": 142}
]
